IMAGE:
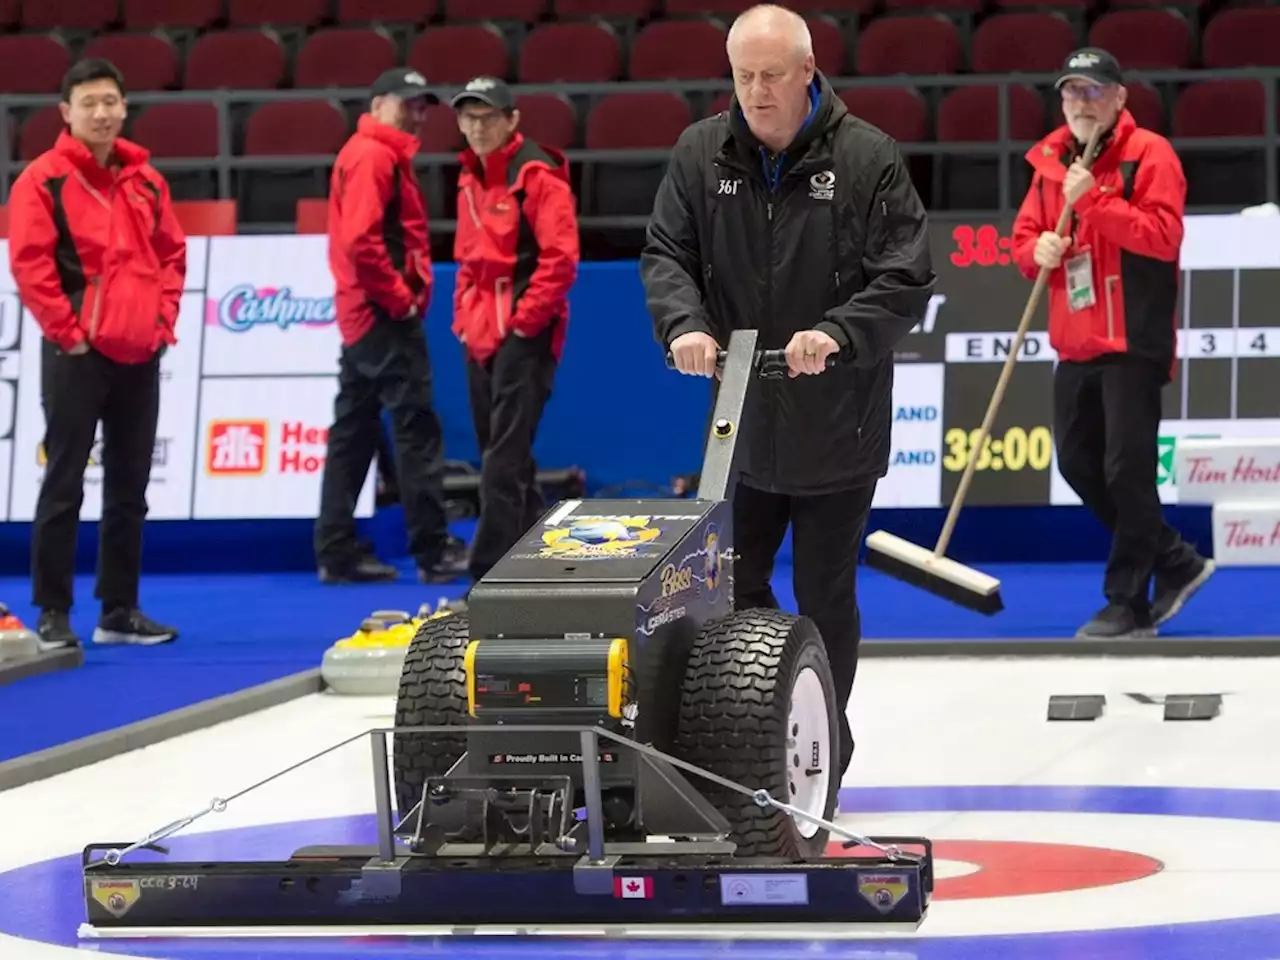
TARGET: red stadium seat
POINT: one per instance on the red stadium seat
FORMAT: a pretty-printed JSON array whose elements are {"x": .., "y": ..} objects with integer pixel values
[
  {"x": 891, "y": 46},
  {"x": 177, "y": 130},
  {"x": 971, "y": 115},
  {"x": 726, "y": 8},
  {"x": 385, "y": 11},
  {"x": 69, "y": 14},
  {"x": 149, "y": 61},
  {"x": 1222, "y": 108},
  {"x": 901, "y": 112},
  {"x": 1144, "y": 39},
  {"x": 313, "y": 215},
  {"x": 549, "y": 119},
  {"x": 172, "y": 14},
  {"x": 344, "y": 57},
  {"x": 570, "y": 53},
  {"x": 843, "y": 9},
  {"x": 828, "y": 45},
  {"x": 520, "y": 11},
  {"x": 32, "y": 63},
  {"x": 679, "y": 50},
  {"x": 284, "y": 13},
  {"x": 235, "y": 59},
  {"x": 455, "y": 53},
  {"x": 1242, "y": 37},
  {"x": 40, "y": 131},
  {"x": 206, "y": 218},
  {"x": 616, "y": 9},
  {"x": 948, "y": 6},
  {"x": 1021, "y": 43},
  {"x": 628, "y": 188},
  {"x": 283, "y": 129},
  {"x": 440, "y": 133},
  {"x": 10, "y": 12}
]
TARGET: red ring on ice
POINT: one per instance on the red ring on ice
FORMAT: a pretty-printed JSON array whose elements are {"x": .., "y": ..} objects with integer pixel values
[{"x": 1010, "y": 868}]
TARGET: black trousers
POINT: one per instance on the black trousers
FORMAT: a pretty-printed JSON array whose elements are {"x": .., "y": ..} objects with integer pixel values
[
  {"x": 387, "y": 369},
  {"x": 508, "y": 394},
  {"x": 1106, "y": 429},
  {"x": 77, "y": 393},
  {"x": 826, "y": 534}
]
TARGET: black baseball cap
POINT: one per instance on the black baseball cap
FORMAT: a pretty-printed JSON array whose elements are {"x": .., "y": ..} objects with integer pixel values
[
  {"x": 1092, "y": 64},
  {"x": 490, "y": 90},
  {"x": 404, "y": 83}
]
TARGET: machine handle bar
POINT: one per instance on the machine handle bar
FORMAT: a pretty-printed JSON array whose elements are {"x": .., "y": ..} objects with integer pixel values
[{"x": 769, "y": 364}]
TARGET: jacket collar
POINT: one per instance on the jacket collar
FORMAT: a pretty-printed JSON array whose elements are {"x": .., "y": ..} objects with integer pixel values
[
  {"x": 405, "y": 144},
  {"x": 126, "y": 156},
  {"x": 493, "y": 168},
  {"x": 1052, "y": 155}
]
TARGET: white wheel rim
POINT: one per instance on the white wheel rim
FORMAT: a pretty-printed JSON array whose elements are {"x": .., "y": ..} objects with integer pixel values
[{"x": 808, "y": 750}]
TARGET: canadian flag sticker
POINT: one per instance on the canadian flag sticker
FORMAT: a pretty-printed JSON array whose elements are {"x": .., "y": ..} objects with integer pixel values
[{"x": 633, "y": 888}]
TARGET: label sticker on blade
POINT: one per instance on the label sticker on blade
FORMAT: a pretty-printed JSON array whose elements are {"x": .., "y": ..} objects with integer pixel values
[
  {"x": 117, "y": 897},
  {"x": 883, "y": 890},
  {"x": 764, "y": 890},
  {"x": 547, "y": 758}
]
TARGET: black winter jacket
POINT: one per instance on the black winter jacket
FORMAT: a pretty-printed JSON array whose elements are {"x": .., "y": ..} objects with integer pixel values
[{"x": 831, "y": 236}]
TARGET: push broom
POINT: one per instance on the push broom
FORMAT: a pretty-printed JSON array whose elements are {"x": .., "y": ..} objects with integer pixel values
[{"x": 932, "y": 569}]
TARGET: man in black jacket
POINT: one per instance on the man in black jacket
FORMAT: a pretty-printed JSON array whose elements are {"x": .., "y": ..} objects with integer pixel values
[{"x": 787, "y": 215}]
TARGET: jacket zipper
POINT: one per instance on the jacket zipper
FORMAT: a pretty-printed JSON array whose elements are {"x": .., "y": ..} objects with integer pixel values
[
  {"x": 96, "y": 282},
  {"x": 498, "y": 287},
  {"x": 1111, "y": 313}
]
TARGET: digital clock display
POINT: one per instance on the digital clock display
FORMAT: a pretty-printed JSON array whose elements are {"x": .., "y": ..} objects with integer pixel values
[{"x": 980, "y": 246}]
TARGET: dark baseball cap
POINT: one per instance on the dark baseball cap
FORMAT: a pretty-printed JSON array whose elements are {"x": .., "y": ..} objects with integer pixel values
[
  {"x": 1092, "y": 64},
  {"x": 403, "y": 83},
  {"x": 490, "y": 90}
]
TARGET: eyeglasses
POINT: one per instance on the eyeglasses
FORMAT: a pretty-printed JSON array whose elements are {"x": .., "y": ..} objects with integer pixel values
[{"x": 1086, "y": 91}]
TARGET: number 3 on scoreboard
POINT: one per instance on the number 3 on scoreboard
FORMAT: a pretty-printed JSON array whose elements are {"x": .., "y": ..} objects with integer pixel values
[{"x": 1018, "y": 449}]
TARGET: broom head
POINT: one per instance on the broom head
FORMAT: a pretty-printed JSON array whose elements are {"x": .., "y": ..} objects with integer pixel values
[{"x": 944, "y": 578}]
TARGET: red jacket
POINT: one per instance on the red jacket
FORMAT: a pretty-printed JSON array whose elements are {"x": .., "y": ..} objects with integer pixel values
[
  {"x": 96, "y": 252},
  {"x": 516, "y": 246},
  {"x": 379, "y": 253},
  {"x": 1131, "y": 223}
]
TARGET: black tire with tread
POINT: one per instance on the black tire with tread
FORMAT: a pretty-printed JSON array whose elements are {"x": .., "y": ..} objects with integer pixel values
[
  {"x": 733, "y": 722},
  {"x": 433, "y": 692}
]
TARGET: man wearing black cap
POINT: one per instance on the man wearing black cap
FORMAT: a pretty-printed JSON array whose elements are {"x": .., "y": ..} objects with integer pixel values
[
  {"x": 517, "y": 254},
  {"x": 381, "y": 263},
  {"x": 1112, "y": 297}
]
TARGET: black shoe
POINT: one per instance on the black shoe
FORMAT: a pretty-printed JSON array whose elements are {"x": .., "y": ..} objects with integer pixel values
[
  {"x": 1117, "y": 621},
  {"x": 367, "y": 569},
  {"x": 1172, "y": 591},
  {"x": 53, "y": 632},
  {"x": 125, "y": 626},
  {"x": 451, "y": 565}
]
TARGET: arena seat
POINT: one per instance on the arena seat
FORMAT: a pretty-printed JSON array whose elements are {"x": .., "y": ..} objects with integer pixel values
[
  {"x": 630, "y": 10},
  {"x": 679, "y": 50},
  {"x": 725, "y": 8},
  {"x": 276, "y": 13},
  {"x": 344, "y": 57},
  {"x": 207, "y": 218},
  {"x": 901, "y": 112},
  {"x": 77, "y": 15},
  {"x": 411, "y": 12},
  {"x": 1154, "y": 39},
  {"x": 457, "y": 52},
  {"x": 170, "y": 14},
  {"x": 949, "y": 7},
  {"x": 40, "y": 129},
  {"x": 181, "y": 131},
  {"x": 1074, "y": 8},
  {"x": 628, "y": 188},
  {"x": 516, "y": 11},
  {"x": 580, "y": 52},
  {"x": 149, "y": 61},
  {"x": 828, "y": 45},
  {"x": 440, "y": 133},
  {"x": 1022, "y": 43},
  {"x": 548, "y": 118},
  {"x": 1242, "y": 37},
  {"x": 909, "y": 44},
  {"x": 10, "y": 13},
  {"x": 1222, "y": 108},
  {"x": 32, "y": 63},
  {"x": 971, "y": 115},
  {"x": 282, "y": 129},
  {"x": 313, "y": 215},
  {"x": 236, "y": 60}
]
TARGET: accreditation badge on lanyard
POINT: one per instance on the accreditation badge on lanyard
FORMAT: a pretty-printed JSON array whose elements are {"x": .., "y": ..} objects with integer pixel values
[{"x": 1080, "y": 295}]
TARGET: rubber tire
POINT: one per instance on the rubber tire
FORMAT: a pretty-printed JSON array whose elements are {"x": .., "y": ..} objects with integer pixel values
[
  {"x": 433, "y": 692},
  {"x": 733, "y": 722}
]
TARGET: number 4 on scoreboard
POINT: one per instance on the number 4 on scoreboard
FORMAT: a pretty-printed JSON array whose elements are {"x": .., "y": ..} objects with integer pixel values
[{"x": 1228, "y": 342}]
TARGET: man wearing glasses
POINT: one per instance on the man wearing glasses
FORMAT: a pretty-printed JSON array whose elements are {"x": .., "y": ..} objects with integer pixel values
[{"x": 1112, "y": 294}]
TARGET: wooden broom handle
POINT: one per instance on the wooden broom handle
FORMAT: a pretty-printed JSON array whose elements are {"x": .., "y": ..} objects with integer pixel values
[{"x": 1037, "y": 291}]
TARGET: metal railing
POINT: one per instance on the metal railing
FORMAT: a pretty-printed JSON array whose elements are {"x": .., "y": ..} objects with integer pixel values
[{"x": 1008, "y": 152}]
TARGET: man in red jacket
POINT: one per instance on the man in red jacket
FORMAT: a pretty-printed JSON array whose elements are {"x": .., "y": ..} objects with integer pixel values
[
  {"x": 1112, "y": 296},
  {"x": 381, "y": 263},
  {"x": 517, "y": 254},
  {"x": 99, "y": 261}
]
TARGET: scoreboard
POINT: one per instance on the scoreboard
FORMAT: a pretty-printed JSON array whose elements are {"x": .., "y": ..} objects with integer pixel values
[{"x": 1227, "y": 381}]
